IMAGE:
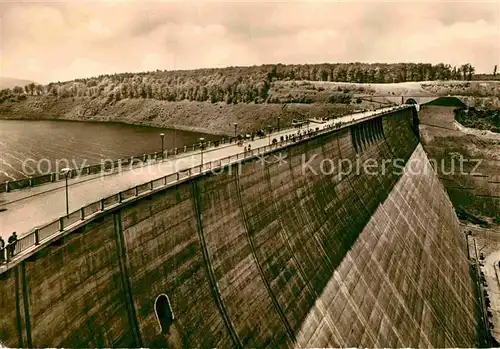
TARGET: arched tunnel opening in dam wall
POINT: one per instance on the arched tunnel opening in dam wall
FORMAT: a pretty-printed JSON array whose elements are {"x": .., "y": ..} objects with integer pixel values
[{"x": 284, "y": 252}]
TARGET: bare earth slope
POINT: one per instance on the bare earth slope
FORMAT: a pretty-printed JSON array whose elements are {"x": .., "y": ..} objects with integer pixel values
[{"x": 207, "y": 117}]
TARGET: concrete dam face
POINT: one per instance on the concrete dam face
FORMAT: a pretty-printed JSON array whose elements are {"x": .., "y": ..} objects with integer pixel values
[{"x": 287, "y": 251}]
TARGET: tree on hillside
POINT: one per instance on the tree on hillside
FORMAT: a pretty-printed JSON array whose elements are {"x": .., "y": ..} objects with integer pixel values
[
  {"x": 31, "y": 88},
  {"x": 495, "y": 70},
  {"x": 471, "y": 72},
  {"x": 467, "y": 71},
  {"x": 38, "y": 89},
  {"x": 5, "y": 92},
  {"x": 18, "y": 90}
]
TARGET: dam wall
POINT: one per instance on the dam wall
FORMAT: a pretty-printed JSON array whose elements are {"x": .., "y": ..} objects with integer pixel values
[{"x": 292, "y": 250}]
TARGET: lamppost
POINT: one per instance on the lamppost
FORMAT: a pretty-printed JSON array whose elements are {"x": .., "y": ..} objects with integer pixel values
[
  {"x": 235, "y": 128},
  {"x": 201, "y": 150},
  {"x": 278, "y": 124},
  {"x": 162, "y": 135},
  {"x": 66, "y": 171},
  {"x": 175, "y": 140},
  {"x": 269, "y": 132}
]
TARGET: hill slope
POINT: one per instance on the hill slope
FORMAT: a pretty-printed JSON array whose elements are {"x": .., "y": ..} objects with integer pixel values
[{"x": 11, "y": 82}]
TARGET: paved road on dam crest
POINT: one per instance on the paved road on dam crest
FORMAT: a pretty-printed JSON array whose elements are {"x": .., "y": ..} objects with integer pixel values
[{"x": 24, "y": 210}]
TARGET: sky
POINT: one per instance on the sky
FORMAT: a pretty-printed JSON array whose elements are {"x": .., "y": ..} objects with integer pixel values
[{"x": 63, "y": 40}]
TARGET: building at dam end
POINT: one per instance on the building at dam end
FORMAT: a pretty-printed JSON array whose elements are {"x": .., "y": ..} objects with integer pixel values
[{"x": 264, "y": 254}]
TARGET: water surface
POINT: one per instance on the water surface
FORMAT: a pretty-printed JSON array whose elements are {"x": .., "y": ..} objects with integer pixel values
[{"x": 43, "y": 146}]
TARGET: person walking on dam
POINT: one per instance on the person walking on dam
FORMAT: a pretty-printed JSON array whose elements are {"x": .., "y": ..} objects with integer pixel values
[
  {"x": 2, "y": 248},
  {"x": 12, "y": 245}
]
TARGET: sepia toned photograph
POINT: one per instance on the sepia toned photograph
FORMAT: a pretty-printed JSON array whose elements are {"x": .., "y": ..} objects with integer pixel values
[{"x": 249, "y": 174}]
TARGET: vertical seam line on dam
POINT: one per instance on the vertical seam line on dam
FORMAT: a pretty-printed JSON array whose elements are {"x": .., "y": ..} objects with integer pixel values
[
  {"x": 208, "y": 265},
  {"x": 257, "y": 262},
  {"x": 122, "y": 256},
  {"x": 18, "y": 310},
  {"x": 385, "y": 138},
  {"x": 26, "y": 305}
]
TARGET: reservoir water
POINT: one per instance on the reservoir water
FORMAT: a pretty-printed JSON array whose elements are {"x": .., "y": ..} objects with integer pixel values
[{"x": 28, "y": 146}]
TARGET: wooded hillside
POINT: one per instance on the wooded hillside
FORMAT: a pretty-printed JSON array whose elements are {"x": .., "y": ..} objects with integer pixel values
[{"x": 236, "y": 84}]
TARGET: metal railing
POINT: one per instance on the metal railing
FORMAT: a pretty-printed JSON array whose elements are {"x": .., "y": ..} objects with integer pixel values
[
  {"x": 83, "y": 214},
  {"x": 129, "y": 162}
]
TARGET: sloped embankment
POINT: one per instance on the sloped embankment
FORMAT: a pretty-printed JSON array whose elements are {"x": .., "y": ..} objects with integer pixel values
[{"x": 216, "y": 118}]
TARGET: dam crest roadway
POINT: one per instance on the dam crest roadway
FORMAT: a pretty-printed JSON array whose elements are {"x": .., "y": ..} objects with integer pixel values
[{"x": 29, "y": 208}]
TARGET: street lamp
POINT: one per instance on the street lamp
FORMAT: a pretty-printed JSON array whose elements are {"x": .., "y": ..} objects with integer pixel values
[
  {"x": 235, "y": 128},
  {"x": 175, "y": 140},
  {"x": 269, "y": 131},
  {"x": 278, "y": 124},
  {"x": 66, "y": 171},
  {"x": 201, "y": 150},
  {"x": 162, "y": 135}
]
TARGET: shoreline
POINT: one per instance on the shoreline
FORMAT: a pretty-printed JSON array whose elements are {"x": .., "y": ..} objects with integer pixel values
[{"x": 124, "y": 122}]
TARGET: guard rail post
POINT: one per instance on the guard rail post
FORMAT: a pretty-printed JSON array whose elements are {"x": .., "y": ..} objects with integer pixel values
[{"x": 37, "y": 237}]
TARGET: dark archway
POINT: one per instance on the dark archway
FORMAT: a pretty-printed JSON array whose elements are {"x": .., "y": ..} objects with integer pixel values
[
  {"x": 411, "y": 101},
  {"x": 164, "y": 312}
]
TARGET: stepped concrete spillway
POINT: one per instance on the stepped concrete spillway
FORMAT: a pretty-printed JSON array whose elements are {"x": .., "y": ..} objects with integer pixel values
[{"x": 293, "y": 251}]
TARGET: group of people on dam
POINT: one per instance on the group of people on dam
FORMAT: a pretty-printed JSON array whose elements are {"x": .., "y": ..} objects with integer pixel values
[{"x": 10, "y": 248}]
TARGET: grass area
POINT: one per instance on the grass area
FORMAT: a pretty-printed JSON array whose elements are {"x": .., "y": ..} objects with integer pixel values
[
  {"x": 479, "y": 119},
  {"x": 447, "y": 102}
]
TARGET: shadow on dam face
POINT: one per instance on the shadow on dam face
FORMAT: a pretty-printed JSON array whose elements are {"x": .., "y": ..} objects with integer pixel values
[{"x": 265, "y": 254}]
